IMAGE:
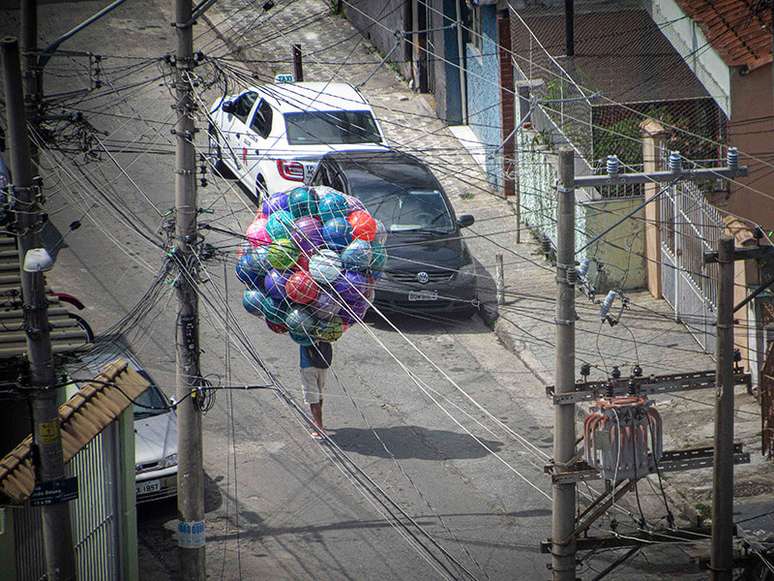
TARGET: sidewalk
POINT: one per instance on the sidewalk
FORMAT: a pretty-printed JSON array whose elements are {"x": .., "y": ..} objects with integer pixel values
[{"x": 524, "y": 324}]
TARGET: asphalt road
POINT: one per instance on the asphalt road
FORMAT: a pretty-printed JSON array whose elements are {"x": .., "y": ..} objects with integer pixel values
[{"x": 278, "y": 507}]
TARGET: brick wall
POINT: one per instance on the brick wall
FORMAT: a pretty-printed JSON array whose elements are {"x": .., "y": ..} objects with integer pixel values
[{"x": 507, "y": 102}]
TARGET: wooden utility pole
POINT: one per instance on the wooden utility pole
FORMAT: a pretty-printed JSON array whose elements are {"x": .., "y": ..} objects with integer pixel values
[
  {"x": 49, "y": 461},
  {"x": 563, "y": 549},
  {"x": 190, "y": 474},
  {"x": 298, "y": 64},
  {"x": 569, "y": 27},
  {"x": 721, "y": 557}
]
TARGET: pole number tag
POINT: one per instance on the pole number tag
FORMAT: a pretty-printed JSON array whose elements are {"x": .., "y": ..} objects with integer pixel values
[{"x": 190, "y": 534}]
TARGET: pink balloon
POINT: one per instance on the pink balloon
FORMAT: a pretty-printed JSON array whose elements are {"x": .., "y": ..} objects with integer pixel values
[{"x": 257, "y": 234}]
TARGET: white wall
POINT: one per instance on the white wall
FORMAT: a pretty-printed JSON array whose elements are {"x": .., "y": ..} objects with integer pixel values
[{"x": 688, "y": 40}]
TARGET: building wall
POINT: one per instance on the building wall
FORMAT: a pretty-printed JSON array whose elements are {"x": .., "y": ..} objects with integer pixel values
[
  {"x": 622, "y": 250},
  {"x": 393, "y": 14},
  {"x": 688, "y": 39},
  {"x": 483, "y": 74},
  {"x": 448, "y": 101},
  {"x": 750, "y": 129}
]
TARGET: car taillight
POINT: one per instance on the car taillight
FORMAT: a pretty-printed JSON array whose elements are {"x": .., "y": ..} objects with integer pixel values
[{"x": 290, "y": 170}]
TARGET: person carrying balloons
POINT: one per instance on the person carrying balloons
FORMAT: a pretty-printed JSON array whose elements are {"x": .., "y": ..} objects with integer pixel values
[{"x": 315, "y": 361}]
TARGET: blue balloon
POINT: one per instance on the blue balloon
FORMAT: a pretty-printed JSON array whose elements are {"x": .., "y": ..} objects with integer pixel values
[
  {"x": 272, "y": 310},
  {"x": 378, "y": 256},
  {"x": 337, "y": 233},
  {"x": 332, "y": 205},
  {"x": 246, "y": 272},
  {"x": 252, "y": 301},
  {"x": 277, "y": 201},
  {"x": 302, "y": 201},
  {"x": 300, "y": 321},
  {"x": 356, "y": 256},
  {"x": 274, "y": 282},
  {"x": 280, "y": 224}
]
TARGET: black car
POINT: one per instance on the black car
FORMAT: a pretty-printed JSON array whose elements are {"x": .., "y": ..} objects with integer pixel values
[{"x": 429, "y": 267}]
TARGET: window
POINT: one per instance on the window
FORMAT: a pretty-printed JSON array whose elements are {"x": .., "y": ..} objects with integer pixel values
[
  {"x": 244, "y": 104},
  {"x": 407, "y": 210},
  {"x": 321, "y": 177},
  {"x": 262, "y": 119},
  {"x": 475, "y": 37},
  {"x": 322, "y": 127}
]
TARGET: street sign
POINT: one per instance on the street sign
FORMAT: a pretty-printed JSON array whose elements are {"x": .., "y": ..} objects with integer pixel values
[
  {"x": 54, "y": 491},
  {"x": 284, "y": 78}
]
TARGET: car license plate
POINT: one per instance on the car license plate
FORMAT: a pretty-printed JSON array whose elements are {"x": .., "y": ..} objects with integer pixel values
[
  {"x": 148, "y": 486},
  {"x": 423, "y": 295}
]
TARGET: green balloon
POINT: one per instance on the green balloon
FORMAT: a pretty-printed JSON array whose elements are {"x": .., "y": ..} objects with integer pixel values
[
  {"x": 329, "y": 331},
  {"x": 283, "y": 254}
]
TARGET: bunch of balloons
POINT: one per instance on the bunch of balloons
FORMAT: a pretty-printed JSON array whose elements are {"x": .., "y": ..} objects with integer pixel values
[{"x": 310, "y": 263}]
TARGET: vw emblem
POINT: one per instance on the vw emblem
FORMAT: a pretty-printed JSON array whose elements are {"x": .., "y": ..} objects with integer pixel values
[{"x": 423, "y": 278}]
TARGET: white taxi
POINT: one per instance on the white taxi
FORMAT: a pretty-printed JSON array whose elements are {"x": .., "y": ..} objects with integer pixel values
[{"x": 271, "y": 137}]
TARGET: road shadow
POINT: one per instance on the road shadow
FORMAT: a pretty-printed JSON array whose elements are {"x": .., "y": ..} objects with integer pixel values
[
  {"x": 416, "y": 322},
  {"x": 413, "y": 442}
]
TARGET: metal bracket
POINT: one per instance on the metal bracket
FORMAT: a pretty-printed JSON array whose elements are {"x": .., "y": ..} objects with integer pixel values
[
  {"x": 671, "y": 461},
  {"x": 654, "y": 384}
]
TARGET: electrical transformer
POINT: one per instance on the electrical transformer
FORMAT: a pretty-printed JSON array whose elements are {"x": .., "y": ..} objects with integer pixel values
[{"x": 622, "y": 437}]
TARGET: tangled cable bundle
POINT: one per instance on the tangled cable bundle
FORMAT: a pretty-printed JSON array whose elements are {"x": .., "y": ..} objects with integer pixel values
[
  {"x": 311, "y": 262},
  {"x": 623, "y": 437}
]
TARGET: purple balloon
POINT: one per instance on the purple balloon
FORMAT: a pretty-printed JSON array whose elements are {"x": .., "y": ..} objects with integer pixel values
[
  {"x": 346, "y": 291},
  {"x": 354, "y": 311},
  {"x": 307, "y": 234},
  {"x": 277, "y": 201},
  {"x": 355, "y": 204},
  {"x": 325, "y": 306},
  {"x": 274, "y": 281}
]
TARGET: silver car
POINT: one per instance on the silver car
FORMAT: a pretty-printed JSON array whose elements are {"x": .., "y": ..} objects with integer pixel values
[{"x": 155, "y": 429}]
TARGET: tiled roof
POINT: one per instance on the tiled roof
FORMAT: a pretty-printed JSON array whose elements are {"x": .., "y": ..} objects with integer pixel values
[
  {"x": 81, "y": 418},
  {"x": 739, "y": 30}
]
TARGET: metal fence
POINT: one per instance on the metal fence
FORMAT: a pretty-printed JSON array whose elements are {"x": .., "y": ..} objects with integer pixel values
[
  {"x": 690, "y": 226},
  {"x": 94, "y": 515},
  {"x": 564, "y": 111}
]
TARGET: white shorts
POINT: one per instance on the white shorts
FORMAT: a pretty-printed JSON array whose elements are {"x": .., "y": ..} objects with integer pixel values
[{"x": 313, "y": 383}]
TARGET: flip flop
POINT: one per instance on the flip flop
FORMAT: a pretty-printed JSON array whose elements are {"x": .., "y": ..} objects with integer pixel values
[{"x": 316, "y": 436}]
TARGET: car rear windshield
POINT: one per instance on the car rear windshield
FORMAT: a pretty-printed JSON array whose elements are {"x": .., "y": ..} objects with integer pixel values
[
  {"x": 409, "y": 210},
  {"x": 321, "y": 127}
]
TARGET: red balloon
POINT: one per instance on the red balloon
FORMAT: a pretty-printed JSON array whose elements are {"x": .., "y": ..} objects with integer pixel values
[
  {"x": 277, "y": 327},
  {"x": 363, "y": 225},
  {"x": 301, "y": 288},
  {"x": 303, "y": 262}
]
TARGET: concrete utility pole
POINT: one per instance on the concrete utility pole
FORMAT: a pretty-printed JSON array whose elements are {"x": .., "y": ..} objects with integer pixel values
[
  {"x": 32, "y": 77},
  {"x": 49, "y": 463},
  {"x": 190, "y": 470},
  {"x": 721, "y": 557},
  {"x": 563, "y": 549}
]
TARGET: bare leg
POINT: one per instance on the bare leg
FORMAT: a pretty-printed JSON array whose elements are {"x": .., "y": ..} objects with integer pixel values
[{"x": 316, "y": 409}]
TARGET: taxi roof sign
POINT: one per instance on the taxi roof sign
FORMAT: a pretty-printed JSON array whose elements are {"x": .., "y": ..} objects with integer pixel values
[{"x": 284, "y": 78}]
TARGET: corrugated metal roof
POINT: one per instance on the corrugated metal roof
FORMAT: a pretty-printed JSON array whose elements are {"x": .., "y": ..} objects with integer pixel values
[
  {"x": 739, "y": 30},
  {"x": 66, "y": 335},
  {"x": 81, "y": 418}
]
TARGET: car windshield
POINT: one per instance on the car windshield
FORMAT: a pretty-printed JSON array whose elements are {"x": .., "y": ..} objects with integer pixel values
[
  {"x": 323, "y": 127},
  {"x": 410, "y": 210},
  {"x": 150, "y": 398}
]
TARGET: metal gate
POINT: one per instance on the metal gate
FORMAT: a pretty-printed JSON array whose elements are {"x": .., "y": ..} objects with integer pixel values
[
  {"x": 94, "y": 515},
  {"x": 690, "y": 226}
]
